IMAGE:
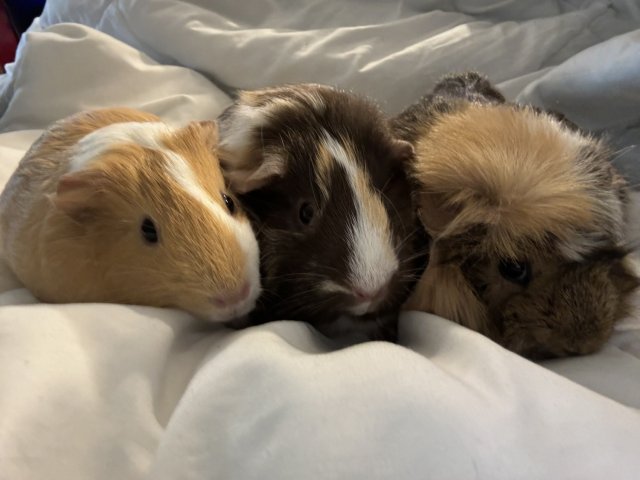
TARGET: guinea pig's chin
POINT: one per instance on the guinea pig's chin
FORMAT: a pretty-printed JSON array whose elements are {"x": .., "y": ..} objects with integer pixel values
[{"x": 219, "y": 315}]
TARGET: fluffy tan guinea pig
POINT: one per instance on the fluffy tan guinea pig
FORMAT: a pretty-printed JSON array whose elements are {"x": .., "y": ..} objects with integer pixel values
[
  {"x": 528, "y": 221},
  {"x": 115, "y": 206}
]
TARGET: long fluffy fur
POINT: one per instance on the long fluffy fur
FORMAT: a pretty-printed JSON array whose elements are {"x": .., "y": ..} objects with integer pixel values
[
  {"x": 500, "y": 183},
  {"x": 515, "y": 171}
]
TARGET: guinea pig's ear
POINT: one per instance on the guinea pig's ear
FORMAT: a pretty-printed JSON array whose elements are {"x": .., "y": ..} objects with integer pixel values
[
  {"x": 78, "y": 192},
  {"x": 401, "y": 150},
  {"x": 209, "y": 133},
  {"x": 245, "y": 164},
  {"x": 251, "y": 173}
]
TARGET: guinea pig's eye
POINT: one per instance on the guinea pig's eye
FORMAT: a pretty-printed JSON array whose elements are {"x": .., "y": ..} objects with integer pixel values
[
  {"x": 229, "y": 203},
  {"x": 148, "y": 230},
  {"x": 306, "y": 213},
  {"x": 516, "y": 272}
]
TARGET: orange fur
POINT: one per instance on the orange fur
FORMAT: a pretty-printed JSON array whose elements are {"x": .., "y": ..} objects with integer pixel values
[
  {"x": 512, "y": 170},
  {"x": 74, "y": 236}
]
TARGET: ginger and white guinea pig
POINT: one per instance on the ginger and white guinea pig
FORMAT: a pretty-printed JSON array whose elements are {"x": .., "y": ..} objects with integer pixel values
[
  {"x": 324, "y": 181},
  {"x": 527, "y": 218},
  {"x": 115, "y": 206}
]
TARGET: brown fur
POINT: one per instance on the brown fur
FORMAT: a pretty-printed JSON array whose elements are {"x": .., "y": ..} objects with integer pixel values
[
  {"x": 295, "y": 146},
  {"x": 75, "y": 236},
  {"x": 501, "y": 183},
  {"x": 514, "y": 170}
]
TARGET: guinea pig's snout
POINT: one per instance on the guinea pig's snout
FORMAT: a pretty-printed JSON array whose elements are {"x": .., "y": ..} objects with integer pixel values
[
  {"x": 228, "y": 299},
  {"x": 373, "y": 265},
  {"x": 366, "y": 300},
  {"x": 368, "y": 295}
]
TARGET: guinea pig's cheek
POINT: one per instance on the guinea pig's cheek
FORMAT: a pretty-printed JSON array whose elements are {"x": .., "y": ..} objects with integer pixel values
[
  {"x": 511, "y": 318},
  {"x": 522, "y": 338},
  {"x": 527, "y": 329}
]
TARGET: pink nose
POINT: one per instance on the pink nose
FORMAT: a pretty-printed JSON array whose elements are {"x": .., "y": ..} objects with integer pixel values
[
  {"x": 231, "y": 298},
  {"x": 369, "y": 295}
]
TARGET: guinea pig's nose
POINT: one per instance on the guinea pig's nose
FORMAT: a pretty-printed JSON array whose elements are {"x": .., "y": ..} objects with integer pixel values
[
  {"x": 231, "y": 298},
  {"x": 366, "y": 295}
]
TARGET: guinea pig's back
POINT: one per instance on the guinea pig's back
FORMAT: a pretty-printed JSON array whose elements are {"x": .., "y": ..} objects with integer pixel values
[
  {"x": 24, "y": 198},
  {"x": 25, "y": 201}
]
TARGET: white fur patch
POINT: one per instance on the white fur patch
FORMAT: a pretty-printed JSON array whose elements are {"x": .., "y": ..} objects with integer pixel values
[
  {"x": 373, "y": 261},
  {"x": 145, "y": 134},
  {"x": 361, "y": 308},
  {"x": 183, "y": 174},
  {"x": 236, "y": 133}
]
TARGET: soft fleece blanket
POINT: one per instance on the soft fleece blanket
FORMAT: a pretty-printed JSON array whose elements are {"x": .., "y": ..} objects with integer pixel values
[{"x": 121, "y": 392}]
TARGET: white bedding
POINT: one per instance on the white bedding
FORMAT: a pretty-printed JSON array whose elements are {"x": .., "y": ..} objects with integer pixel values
[{"x": 118, "y": 392}]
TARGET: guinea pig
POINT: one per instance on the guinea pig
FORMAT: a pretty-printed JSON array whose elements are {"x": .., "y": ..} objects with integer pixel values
[
  {"x": 115, "y": 206},
  {"x": 324, "y": 181},
  {"x": 527, "y": 218}
]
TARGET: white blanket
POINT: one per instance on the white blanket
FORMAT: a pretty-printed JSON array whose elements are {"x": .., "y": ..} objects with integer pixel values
[{"x": 119, "y": 392}]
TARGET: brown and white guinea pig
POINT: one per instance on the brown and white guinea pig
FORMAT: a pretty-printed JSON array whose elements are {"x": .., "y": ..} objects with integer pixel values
[
  {"x": 325, "y": 182},
  {"x": 115, "y": 206},
  {"x": 527, "y": 218}
]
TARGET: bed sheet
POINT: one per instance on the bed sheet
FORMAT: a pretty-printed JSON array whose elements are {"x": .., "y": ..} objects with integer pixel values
[{"x": 111, "y": 391}]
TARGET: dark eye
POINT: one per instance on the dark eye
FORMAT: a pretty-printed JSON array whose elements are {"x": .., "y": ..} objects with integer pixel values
[
  {"x": 516, "y": 272},
  {"x": 306, "y": 213},
  {"x": 148, "y": 230},
  {"x": 229, "y": 203}
]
